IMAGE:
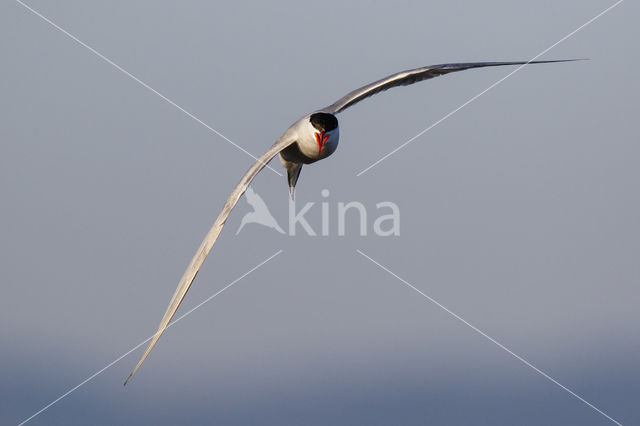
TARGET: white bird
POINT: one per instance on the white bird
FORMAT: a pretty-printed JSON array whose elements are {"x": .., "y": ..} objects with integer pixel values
[
  {"x": 260, "y": 213},
  {"x": 311, "y": 138}
]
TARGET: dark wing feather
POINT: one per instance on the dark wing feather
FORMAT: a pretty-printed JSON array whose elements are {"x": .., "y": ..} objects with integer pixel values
[{"x": 405, "y": 78}]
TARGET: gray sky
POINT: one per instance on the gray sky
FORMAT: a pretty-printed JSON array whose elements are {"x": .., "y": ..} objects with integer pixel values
[{"x": 519, "y": 213}]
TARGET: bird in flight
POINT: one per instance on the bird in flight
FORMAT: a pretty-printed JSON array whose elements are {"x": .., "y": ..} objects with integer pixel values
[{"x": 313, "y": 137}]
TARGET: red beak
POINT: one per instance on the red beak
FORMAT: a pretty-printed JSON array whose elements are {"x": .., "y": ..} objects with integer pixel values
[{"x": 321, "y": 138}]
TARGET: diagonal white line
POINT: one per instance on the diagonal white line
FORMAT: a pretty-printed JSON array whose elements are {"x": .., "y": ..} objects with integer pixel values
[
  {"x": 483, "y": 334},
  {"x": 91, "y": 377},
  {"x": 488, "y": 88},
  {"x": 137, "y": 80}
]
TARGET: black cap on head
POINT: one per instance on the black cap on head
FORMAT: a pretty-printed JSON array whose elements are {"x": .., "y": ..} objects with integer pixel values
[{"x": 323, "y": 122}]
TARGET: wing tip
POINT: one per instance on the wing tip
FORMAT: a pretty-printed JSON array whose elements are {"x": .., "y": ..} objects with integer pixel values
[
  {"x": 128, "y": 378},
  {"x": 567, "y": 60}
]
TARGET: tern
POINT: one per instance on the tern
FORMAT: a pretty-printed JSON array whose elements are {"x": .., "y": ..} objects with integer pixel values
[{"x": 311, "y": 138}]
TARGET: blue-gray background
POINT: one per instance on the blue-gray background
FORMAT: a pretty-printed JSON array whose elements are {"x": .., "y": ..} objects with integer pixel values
[{"x": 519, "y": 213}]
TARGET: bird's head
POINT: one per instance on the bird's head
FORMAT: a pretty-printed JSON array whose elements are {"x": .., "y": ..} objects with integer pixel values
[{"x": 324, "y": 127}]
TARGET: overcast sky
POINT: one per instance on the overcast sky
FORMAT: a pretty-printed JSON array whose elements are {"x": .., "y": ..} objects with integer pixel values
[{"x": 519, "y": 213}]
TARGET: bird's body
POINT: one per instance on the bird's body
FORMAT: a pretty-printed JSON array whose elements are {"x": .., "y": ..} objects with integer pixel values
[
  {"x": 312, "y": 138},
  {"x": 316, "y": 137}
]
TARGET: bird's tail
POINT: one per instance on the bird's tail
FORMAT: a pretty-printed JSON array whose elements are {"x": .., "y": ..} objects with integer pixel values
[{"x": 293, "y": 172}]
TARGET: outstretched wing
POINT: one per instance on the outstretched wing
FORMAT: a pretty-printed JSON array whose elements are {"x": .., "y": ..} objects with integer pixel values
[
  {"x": 211, "y": 237},
  {"x": 405, "y": 78}
]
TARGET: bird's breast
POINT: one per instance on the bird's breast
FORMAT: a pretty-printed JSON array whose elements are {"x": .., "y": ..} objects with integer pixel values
[{"x": 306, "y": 151}]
